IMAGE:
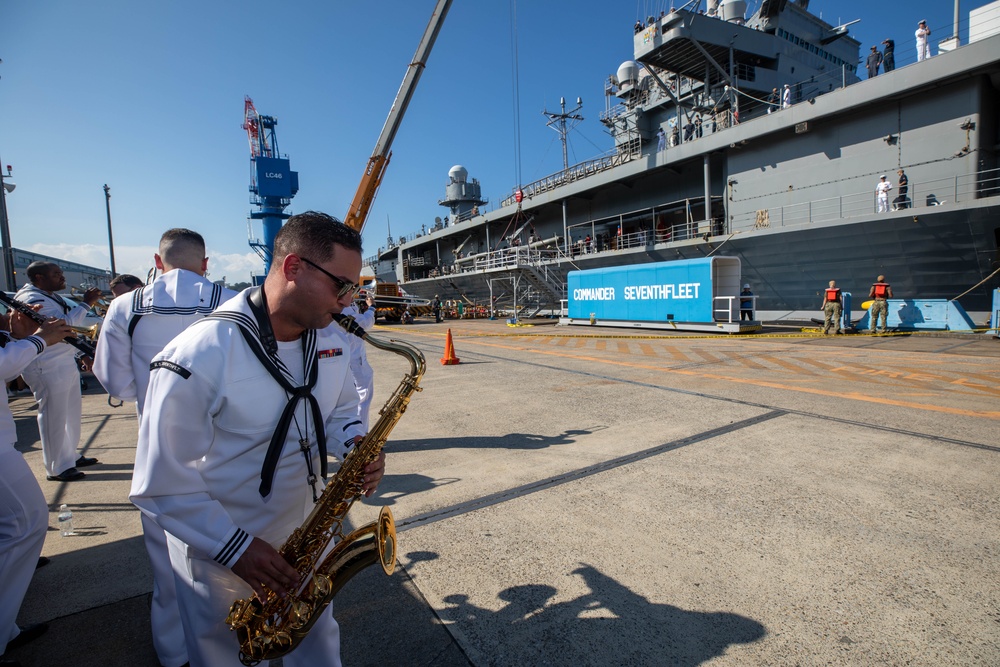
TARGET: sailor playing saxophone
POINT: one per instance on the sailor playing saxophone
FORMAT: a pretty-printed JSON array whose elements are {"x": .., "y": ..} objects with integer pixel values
[
  {"x": 136, "y": 328},
  {"x": 241, "y": 412}
]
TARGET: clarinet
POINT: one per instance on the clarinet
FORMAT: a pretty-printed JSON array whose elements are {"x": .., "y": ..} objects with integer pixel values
[{"x": 81, "y": 343}]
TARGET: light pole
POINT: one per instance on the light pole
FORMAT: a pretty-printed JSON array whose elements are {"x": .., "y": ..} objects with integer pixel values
[
  {"x": 111, "y": 238},
  {"x": 8, "y": 252}
]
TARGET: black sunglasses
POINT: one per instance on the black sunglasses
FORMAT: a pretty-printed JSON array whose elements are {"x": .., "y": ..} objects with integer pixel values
[{"x": 344, "y": 288}]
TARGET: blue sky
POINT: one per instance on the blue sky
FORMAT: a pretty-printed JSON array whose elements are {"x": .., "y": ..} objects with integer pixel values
[{"x": 148, "y": 98}]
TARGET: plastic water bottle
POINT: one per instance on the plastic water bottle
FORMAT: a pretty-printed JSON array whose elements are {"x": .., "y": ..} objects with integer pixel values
[{"x": 65, "y": 520}]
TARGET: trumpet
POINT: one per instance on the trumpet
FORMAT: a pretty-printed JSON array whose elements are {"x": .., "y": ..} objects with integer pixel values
[
  {"x": 101, "y": 307},
  {"x": 88, "y": 332}
]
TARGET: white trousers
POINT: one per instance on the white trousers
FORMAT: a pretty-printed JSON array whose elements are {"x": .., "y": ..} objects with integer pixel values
[
  {"x": 56, "y": 386},
  {"x": 164, "y": 615},
  {"x": 206, "y": 591},
  {"x": 883, "y": 203},
  {"x": 24, "y": 518},
  {"x": 923, "y": 50},
  {"x": 365, "y": 395}
]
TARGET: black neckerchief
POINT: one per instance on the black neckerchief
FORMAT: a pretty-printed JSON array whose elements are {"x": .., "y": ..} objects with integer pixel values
[{"x": 260, "y": 338}]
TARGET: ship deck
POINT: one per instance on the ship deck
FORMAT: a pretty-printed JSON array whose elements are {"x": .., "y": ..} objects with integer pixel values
[{"x": 615, "y": 498}]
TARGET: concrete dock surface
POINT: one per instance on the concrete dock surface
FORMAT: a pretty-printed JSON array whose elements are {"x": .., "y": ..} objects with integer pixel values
[{"x": 572, "y": 496}]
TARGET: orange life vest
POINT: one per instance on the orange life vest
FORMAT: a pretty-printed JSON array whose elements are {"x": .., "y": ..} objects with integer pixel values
[
  {"x": 833, "y": 294},
  {"x": 880, "y": 290}
]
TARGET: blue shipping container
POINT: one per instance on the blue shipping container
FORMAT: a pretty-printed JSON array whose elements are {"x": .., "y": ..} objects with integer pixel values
[{"x": 693, "y": 290}]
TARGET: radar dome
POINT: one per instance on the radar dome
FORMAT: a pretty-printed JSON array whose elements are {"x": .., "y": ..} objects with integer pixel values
[
  {"x": 732, "y": 10},
  {"x": 628, "y": 72},
  {"x": 458, "y": 174}
]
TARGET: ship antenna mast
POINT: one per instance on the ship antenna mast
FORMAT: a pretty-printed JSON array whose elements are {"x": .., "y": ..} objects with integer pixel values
[{"x": 560, "y": 122}]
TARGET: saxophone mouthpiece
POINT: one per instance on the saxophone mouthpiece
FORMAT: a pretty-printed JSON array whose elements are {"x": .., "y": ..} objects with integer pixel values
[{"x": 349, "y": 325}]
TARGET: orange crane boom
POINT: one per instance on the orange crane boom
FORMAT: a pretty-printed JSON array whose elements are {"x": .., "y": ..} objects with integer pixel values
[{"x": 372, "y": 178}]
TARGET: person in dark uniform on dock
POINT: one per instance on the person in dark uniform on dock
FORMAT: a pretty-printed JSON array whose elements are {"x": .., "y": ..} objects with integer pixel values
[
  {"x": 832, "y": 304},
  {"x": 746, "y": 304},
  {"x": 880, "y": 292},
  {"x": 436, "y": 306}
]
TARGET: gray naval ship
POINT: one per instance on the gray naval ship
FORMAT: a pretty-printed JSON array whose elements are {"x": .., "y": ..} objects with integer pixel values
[{"x": 706, "y": 161}]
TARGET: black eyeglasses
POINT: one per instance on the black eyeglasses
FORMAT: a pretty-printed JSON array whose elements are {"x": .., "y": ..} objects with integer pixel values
[{"x": 344, "y": 288}]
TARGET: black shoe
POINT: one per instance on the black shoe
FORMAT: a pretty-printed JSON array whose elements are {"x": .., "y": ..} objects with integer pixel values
[
  {"x": 28, "y": 633},
  {"x": 42, "y": 562},
  {"x": 85, "y": 461},
  {"x": 68, "y": 475}
]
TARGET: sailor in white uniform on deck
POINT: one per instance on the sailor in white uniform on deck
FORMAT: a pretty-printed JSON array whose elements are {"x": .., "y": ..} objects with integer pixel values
[
  {"x": 24, "y": 514},
  {"x": 241, "y": 411},
  {"x": 136, "y": 328},
  {"x": 54, "y": 377}
]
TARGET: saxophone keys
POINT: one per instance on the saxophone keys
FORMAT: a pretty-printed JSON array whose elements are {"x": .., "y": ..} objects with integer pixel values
[{"x": 321, "y": 585}]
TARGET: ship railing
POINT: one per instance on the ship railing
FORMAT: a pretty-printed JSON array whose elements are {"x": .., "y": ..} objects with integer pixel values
[
  {"x": 921, "y": 194},
  {"x": 573, "y": 173}
]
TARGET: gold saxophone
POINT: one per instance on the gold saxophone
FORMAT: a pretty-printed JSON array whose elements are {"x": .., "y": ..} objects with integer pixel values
[{"x": 273, "y": 627}]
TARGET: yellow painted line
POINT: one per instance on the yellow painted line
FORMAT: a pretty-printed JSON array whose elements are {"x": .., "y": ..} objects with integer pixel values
[{"x": 854, "y": 396}]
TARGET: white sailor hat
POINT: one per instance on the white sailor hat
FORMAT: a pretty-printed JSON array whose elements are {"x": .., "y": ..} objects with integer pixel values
[
  {"x": 883, "y": 176},
  {"x": 747, "y": 286}
]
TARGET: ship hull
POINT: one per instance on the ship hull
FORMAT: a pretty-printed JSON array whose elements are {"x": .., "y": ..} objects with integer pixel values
[{"x": 926, "y": 253}]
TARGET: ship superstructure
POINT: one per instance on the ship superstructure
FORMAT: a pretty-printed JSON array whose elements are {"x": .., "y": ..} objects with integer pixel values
[{"x": 711, "y": 156}]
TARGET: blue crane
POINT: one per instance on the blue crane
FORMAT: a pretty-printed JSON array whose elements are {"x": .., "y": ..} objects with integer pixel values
[{"x": 272, "y": 182}]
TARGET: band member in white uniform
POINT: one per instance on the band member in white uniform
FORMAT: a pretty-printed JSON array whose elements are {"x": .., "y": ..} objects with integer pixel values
[
  {"x": 136, "y": 328},
  {"x": 364, "y": 376},
  {"x": 24, "y": 514},
  {"x": 54, "y": 377},
  {"x": 240, "y": 413}
]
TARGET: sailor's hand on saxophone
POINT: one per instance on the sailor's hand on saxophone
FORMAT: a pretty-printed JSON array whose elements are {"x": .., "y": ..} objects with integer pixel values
[
  {"x": 373, "y": 474},
  {"x": 263, "y": 568}
]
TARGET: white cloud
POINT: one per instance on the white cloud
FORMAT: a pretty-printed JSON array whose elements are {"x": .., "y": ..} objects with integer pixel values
[{"x": 138, "y": 260}]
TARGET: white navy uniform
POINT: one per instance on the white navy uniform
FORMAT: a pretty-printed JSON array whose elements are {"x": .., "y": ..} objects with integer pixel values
[
  {"x": 364, "y": 376},
  {"x": 136, "y": 328},
  {"x": 24, "y": 514},
  {"x": 55, "y": 381},
  {"x": 209, "y": 418}
]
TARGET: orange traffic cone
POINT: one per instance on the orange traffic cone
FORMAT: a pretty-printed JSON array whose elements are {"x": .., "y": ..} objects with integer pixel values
[{"x": 449, "y": 358}]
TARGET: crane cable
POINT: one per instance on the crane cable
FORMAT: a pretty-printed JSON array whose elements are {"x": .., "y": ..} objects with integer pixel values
[{"x": 515, "y": 83}]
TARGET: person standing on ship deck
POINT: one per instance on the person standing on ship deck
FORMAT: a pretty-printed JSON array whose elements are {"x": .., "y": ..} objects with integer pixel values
[
  {"x": 873, "y": 62},
  {"x": 882, "y": 192},
  {"x": 880, "y": 291},
  {"x": 923, "y": 34},
  {"x": 773, "y": 100},
  {"x": 832, "y": 304},
  {"x": 888, "y": 55},
  {"x": 904, "y": 188},
  {"x": 786, "y": 97}
]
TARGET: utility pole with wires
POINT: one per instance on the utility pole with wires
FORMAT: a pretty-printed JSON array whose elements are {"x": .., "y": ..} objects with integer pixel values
[{"x": 560, "y": 123}]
